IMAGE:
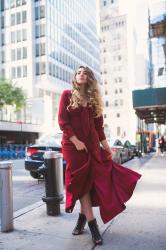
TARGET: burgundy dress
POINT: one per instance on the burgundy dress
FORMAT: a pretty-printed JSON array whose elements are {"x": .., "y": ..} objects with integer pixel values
[{"x": 109, "y": 184}]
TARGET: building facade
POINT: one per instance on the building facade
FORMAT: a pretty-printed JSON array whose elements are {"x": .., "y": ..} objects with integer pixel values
[
  {"x": 158, "y": 42},
  {"x": 150, "y": 103},
  {"x": 117, "y": 45},
  {"x": 42, "y": 43}
]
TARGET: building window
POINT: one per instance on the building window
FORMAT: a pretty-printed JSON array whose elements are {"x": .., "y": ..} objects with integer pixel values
[
  {"x": 12, "y": 3},
  {"x": 106, "y": 92},
  {"x": 118, "y": 131},
  {"x": 18, "y": 18},
  {"x": 116, "y": 103},
  {"x": 118, "y": 115},
  {"x": 106, "y": 103},
  {"x": 18, "y": 53},
  {"x": 37, "y": 31},
  {"x": 18, "y": 35},
  {"x": 13, "y": 72},
  {"x": 40, "y": 30},
  {"x": 42, "y": 49},
  {"x": 18, "y": 72},
  {"x": 2, "y": 22},
  {"x": 24, "y": 2},
  {"x": 37, "y": 50},
  {"x": 39, "y": 12},
  {"x": 160, "y": 71},
  {"x": 13, "y": 55},
  {"x": 3, "y": 56},
  {"x": 105, "y": 116},
  {"x": 120, "y": 90},
  {"x": 116, "y": 91},
  {"x": 36, "y": 13},
  {"x": 24, "y": 34},
  {"x": 24, "y": 70},
  {"x": 18, "y": 3},
  {"x": 104, "y": 3},
  {"x": 12, "y": 19},
  {"x": 24, "y": 16},
  {"x": 40, "y": 68},
  {"x": 13, "y": 38},
  {"x": 43, "y": 68},
  {"x": 42, "y": 11},
  {"x": 2, "y": 39},
  {"x": 53, "y": 71},
  {"x": 119, "y": 57},
  {"x": 50, "y": 68},
  {"x": 24, "y": 52},
  {"x": 2, "y": 73},
  {"x": 37, "y": 69}
]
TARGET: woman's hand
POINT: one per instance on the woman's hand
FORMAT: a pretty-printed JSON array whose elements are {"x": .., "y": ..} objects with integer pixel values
[
  {"x": 78, "y": 144},
  {"x": 106, "y": 146}
]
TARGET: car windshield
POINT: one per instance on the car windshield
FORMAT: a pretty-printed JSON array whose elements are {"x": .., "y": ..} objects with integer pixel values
[{"x": 50, "y": 139}]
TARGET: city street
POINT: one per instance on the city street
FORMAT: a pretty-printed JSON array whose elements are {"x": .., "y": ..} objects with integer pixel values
[
  {"x": 141, "y": 226},
  {"x": 26, "y": 190}
]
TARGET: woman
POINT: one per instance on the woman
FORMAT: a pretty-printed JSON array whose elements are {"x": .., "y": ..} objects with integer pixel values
[{"x": 91, "y": 176}]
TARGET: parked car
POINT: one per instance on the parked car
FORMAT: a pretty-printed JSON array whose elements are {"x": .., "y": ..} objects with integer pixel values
[
  {"x": 34, "y": 153},
  {"x": 131, "y": 149},
  {"x": 121, "y": 152},
  {"x": 136, "y": 151}
]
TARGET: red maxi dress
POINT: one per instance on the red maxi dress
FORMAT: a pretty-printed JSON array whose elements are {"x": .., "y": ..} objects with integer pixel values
[{"x": 110, "y": 185}]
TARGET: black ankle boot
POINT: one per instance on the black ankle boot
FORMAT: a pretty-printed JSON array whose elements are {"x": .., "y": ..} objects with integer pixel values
[
  {"x": 96, "y": 237},
  {"x": 79, "y": 228}
]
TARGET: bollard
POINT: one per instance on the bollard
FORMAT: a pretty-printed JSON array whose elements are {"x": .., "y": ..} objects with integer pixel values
[
  {"x": 6, "y": 196},
  {"x": 53, "y": 174}
]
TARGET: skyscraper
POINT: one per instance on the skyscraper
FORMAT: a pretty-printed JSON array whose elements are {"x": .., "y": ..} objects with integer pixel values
[
  {"x": 117, "y": 45},
  {"x": 42, "y": 43}
]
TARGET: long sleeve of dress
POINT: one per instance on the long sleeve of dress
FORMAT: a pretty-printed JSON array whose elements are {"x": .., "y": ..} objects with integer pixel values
[
  {"x": 99, "y": 127},
  {"x": 63, "y": 115}
]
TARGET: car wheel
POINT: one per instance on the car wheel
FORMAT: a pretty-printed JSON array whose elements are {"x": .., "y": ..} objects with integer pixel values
[{"x": 35, "y": 175}]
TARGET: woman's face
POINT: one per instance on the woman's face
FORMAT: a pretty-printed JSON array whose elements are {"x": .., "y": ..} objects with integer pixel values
[{"x": 81, "y": 76}]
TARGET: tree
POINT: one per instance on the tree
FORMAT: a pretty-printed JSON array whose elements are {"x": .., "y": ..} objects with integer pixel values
[{"x": 10, "y": 94}]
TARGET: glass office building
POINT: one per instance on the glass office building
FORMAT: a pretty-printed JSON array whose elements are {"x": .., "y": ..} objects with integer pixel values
[{"x": 42, "y": 42}]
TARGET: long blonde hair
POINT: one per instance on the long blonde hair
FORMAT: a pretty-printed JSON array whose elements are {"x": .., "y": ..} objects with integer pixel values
[{"x": 91, "y": 91}]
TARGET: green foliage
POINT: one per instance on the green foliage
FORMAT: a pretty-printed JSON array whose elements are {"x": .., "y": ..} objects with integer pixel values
[{"x": 11, "y": 95}]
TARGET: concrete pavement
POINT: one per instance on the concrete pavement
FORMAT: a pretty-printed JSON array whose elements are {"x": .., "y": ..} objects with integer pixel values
[{"x": 141, "y": 226}]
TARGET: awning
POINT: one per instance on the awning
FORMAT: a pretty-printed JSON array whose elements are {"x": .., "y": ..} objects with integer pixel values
[{"x": 150, "y": 104}]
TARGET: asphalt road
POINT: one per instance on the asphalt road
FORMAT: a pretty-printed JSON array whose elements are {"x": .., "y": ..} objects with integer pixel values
[{"x": 26, "y": 190}]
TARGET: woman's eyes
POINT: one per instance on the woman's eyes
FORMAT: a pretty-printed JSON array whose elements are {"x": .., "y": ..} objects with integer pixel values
[{"x": 85, "y": 73}]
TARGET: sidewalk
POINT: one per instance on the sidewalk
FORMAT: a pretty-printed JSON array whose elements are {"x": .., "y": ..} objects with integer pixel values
[{"x": 141, "y": 226}]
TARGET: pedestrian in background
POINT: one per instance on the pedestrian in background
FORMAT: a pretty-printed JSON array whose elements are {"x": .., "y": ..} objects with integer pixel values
[
  {"x": 91, "y": 176},
  {"x": 162, "y": 144}
]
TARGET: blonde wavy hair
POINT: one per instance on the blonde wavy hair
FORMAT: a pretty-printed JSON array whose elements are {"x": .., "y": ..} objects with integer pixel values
[{"x": 91, "y": 91}]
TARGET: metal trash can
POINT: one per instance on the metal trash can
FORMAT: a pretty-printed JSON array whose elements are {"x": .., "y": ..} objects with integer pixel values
[
  {"x": 53, "y": 174},
  {"x": 6, "y": 196}
]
